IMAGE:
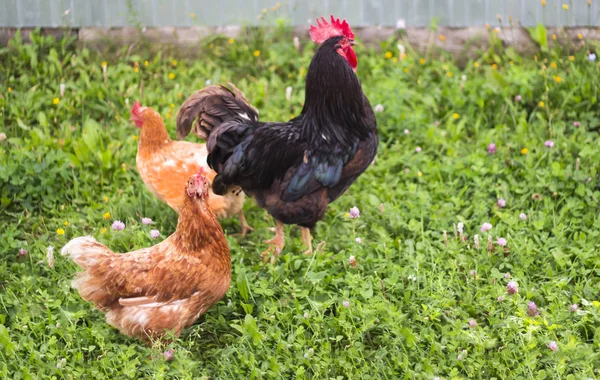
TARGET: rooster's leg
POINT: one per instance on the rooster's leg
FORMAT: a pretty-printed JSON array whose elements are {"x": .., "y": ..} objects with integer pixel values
[
  {"x": 245, "y": 226},
  {"x": 307, "y": 240},
  {"x": 276, "y": 244}
]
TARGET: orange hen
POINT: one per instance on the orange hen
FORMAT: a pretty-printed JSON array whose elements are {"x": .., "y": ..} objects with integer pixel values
[
  {"x": 147, "y": 292},
  {"x": 165, "y": 165}
]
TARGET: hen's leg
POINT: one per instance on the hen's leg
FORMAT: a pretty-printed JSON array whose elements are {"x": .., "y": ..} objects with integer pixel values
[
  {"x": 277, "y": 243},
  {"x": 245, "y": 226},
  {"x": 307, "y": 240}
]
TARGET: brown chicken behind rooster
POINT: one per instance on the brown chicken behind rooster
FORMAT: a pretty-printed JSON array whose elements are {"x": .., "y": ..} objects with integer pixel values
[
  {"x": 165, "y": 165},
  {"x": 166, "y": 287}
]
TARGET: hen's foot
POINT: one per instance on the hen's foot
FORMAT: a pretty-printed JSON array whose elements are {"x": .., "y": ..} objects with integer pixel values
[
  {"x": 245, "y": 226},
  {"x": 275, "y": 245}
]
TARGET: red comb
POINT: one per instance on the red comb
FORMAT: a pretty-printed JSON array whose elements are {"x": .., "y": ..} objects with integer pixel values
[
  {"x": 324, "y": 30},
  {"x": 200, "y": 176},
  {"x": 136, "y": 108}
]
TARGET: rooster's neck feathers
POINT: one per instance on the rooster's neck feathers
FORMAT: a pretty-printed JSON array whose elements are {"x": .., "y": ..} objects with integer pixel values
[{"x": 334, "y": 98}]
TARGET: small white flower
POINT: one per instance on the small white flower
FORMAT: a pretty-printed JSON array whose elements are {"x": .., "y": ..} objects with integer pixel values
[
  {"x": 358, "y": 240},
  {"x": 412, "y": 277},
  {"x": 61, "y": 363},
  {"x": 401, "y": 24},
  {"x": 476, "y": 241},
  {"x": 127, "y": 102},
  {"x": 305, "y": 315},
  {"x": 379, "y": 108},
  {"x": 464, "y": 78},
  {"x": 402, "y": 49},
  {"x": 62, "y": 90},
  {"x": 2, "y": 136},
  {"x": 208, "y": 82},
  {"x": 460, "y": 226},
  {"x": 146, "y": 221},
  {"x": 346, "y": 303},
  {"x": 296, "y": 43},
  {"x": 406, "y": 131},
  {"x": 523, "y": 216},
  {"x": 288, "y": 93},
  {"x": 154, "y": 234},
  {"x": 418, "y": 149}
]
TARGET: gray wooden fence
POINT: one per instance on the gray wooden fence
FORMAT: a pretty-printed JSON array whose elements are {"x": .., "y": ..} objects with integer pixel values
[{"x": 453, "y": 13}]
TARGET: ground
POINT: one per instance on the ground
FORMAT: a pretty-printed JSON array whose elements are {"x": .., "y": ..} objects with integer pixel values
[{"x": 419, "y": 298}]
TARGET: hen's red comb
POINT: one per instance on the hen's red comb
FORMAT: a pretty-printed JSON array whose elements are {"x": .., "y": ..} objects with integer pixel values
[
  {"x": 136, "y": 108},
  {"x": 200, "y": 176},
  {"x": 324, "y": 30}
]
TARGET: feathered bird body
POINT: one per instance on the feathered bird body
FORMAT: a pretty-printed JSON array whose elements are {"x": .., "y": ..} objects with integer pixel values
[
  {"x": 165, "y": 165},
  {"x": 293, "y": 169},
  {"x": 166, "y": 287}
]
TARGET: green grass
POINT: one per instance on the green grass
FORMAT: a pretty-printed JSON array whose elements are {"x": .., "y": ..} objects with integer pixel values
[{"x": 410, "y": 297}]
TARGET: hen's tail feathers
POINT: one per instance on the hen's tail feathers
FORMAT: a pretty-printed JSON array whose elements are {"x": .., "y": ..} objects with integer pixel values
[
  {"x": 86, "y": 252},
  {"x": 208, "y": 108}
]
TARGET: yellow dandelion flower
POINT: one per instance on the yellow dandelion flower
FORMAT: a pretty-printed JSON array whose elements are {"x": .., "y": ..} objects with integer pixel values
[
  {"x": 193, "y": 15},
  {"x": 553, "y": 65},
  {"x": 475, "y": 64},
  {"x": 524, "y": 151},
  {"x": 169, "y": 115},
  {"x": 66, "y": 223},
  {"x": 103, "y": 230},
  {"x": 449, "y": 74},
  {"x": 105, "y": 199},
  {"x": 231, "y": 41},
  {"x": 543, "y": 2},
  {"x": 395, "y": 59},
  {"x": 571, "y": 58},
  {"x": 406, "y": 70},
  {"x": 174, "y": 62},
  {"x": 347, "y": 215},
  {"x": 264, "y": 10},
  {"x": 388, "y": 54},
  {"x": 487, "y": 26},
  {"x": 565, "y": 7},
  {"x": 256, "y": 53},
  {"x": 179, "y": 95},
  {"x": 596, "y": 304},
  {"x": 106, "y": 215},
  {"x": 146, "y": 63},
  {"x": 104, "y": 64},
  {"x": 422, "y": 61},
  {"x": 541, "y": 104},
  {"x": 172, "y": 105},
  {"x": 554, "y": 37},
  {"x": 136, "y": 69},
  {"x": 589, "y": 2},
  {"x": 56, "y": 101},
  {"x": 136, "y": 137},
  {"x": 494, "y": 66},
  {"x": 210, "y": 46},
  {"x": 580, "y": 36},
  {"x": 60, "y": 231},
  {"x": 442, "y": 37},
  {"x": 455, "y": 115},
  {"x": 9, "y": 89},
  {"x": 403, "y": 56},
  {"x": 420, "y": 174},
  {"x": 171, "y": 76},
  {"x": 511, "y": 63},
  {"x": 557, "y": 79}
]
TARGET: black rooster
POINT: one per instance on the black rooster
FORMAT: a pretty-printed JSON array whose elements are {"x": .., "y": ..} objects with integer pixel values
[{"x": 293, "y": 169}]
